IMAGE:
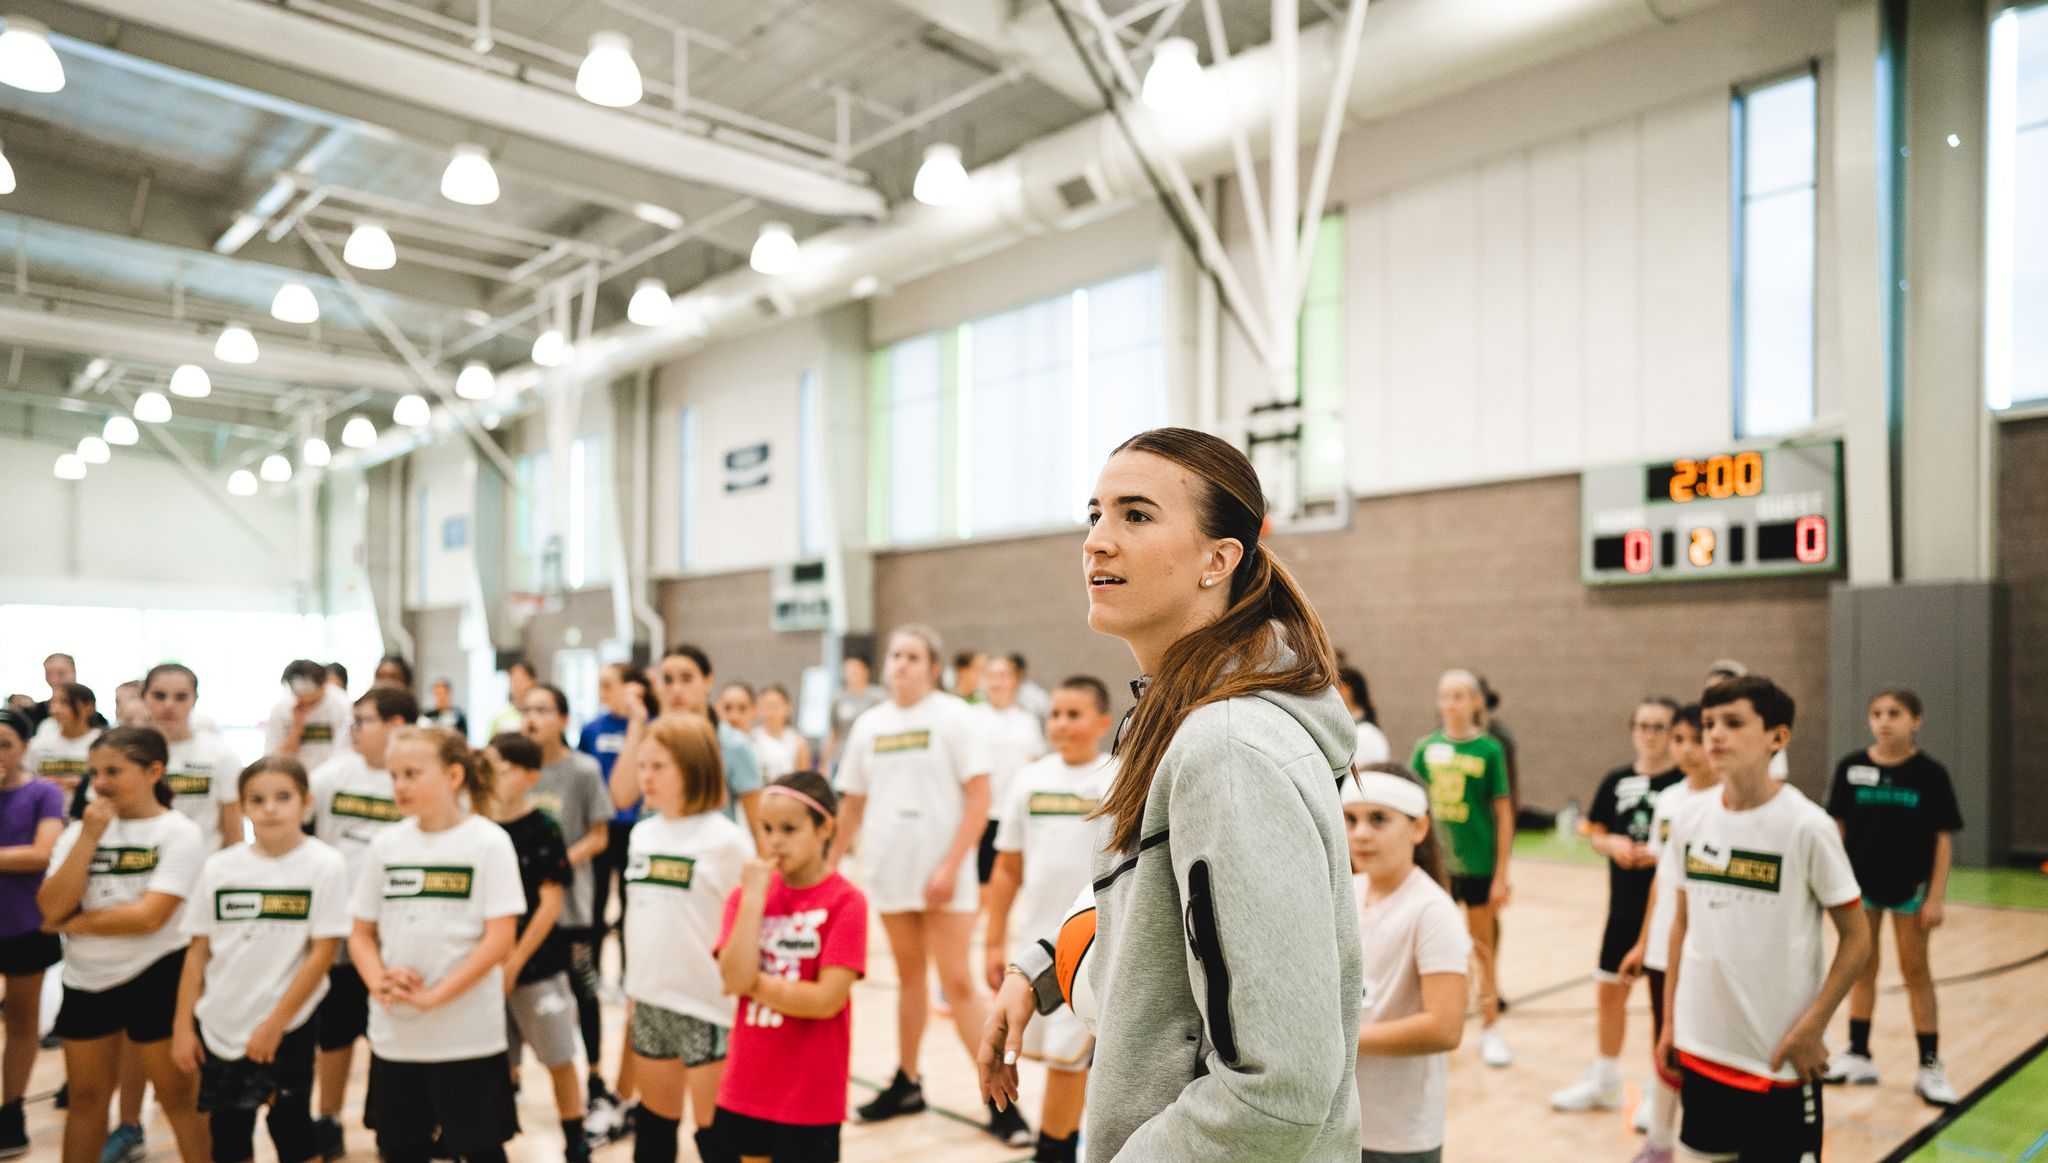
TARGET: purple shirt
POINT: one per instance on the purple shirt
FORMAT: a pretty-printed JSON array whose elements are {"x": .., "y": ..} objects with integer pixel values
[{"x": 22, "y": 811}]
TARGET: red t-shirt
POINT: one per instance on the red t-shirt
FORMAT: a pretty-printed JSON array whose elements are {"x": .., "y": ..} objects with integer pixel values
[{"x": 794, "y": 1070}]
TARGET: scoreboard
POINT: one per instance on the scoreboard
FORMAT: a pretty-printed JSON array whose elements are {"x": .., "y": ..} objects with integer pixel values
[{"x": 1752, "y": 512}]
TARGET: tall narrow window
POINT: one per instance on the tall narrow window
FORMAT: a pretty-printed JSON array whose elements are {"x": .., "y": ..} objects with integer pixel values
[
  {"x": 2016, "y": 204},
  {"x": 1775, "y": 139},
  {"x": 810, "y": 468},
  {"x": 916, "y": 438},
  {"x": 1321, "y": 372},
  {"x": 686, "y": 500},
  {"x": 424, "y": 545}
]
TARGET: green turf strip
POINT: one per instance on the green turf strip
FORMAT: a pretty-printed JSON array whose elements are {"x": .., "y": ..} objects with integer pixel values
[{"x": 2010, "y": 1123}]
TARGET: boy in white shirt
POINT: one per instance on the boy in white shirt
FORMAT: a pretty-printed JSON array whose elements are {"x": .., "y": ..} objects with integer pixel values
[
  {"x": 1746, "y": 987},
  {"x": 311, "y": 722},
  {"x": 1045, "y": 842},
  {"x": 1013, "y": 738}
]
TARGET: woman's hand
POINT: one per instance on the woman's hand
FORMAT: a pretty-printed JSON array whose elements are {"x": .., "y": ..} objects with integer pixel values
[
  {"x": 1002, "y": 1040},
  {"x": 186, "y": 1053}
]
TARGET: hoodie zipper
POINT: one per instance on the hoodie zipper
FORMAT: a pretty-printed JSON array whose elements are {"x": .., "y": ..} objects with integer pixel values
[{"x": 1208, "y": 949}]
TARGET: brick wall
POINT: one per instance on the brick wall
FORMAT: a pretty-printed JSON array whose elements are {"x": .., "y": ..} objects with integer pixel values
[
  {"x": 2023, "y": 567},
  {"x": 727, "y": 616}
]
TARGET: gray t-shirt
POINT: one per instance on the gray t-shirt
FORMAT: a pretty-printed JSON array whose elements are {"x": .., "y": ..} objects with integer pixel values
[
  {"x": 848, "y": 707},
  {"x": 572, "y": 792}
]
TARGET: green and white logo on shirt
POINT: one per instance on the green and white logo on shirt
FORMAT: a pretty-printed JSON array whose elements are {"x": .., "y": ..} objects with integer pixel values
[
  {"x": 442, "y": 882},
  {"x": 262, "y": 904},
  {"x": 185, "y": 783},
  {"x": 358, "y": 806},
  {"x": 123, "y": 861},
  {"x": 1055, "y": 803},
  {"x": 672, "y": 871},
  {"x": 1761, "y": 871},
  {"x": 903, "y": 741}
]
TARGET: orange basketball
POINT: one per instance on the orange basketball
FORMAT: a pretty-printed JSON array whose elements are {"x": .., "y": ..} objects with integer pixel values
[{"x": 1070, "y": 958}]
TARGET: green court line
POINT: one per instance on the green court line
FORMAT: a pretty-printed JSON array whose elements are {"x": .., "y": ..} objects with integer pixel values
[
  {"x": 1547, "y": 844},
  {"x": 2004, "y": 1119}
]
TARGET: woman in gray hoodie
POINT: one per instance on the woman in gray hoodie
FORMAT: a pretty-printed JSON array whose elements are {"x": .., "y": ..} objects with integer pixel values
[{"x": 1226, "y": 963}]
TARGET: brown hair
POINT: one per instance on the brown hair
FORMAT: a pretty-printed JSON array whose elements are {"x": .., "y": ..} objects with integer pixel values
[
  {"x": 452, "y": 750},
  {"x": 692, "y": 742},
  {"x": 1429, "y": 855},
  {"x": 283, "y": 765},
  {"x": 141, "y": 746},
  {"x": 1905, "y": 698},
  {"x": 818, "y": 788},
  {"x": 1236, "y": 655}
]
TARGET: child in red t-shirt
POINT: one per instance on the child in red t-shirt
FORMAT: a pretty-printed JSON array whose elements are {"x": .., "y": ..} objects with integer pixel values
[{"x": 794, "y": 940}]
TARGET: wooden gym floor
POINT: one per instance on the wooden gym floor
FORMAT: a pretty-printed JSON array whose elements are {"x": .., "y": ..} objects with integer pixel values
[{"x": 1994, "y": 1004}]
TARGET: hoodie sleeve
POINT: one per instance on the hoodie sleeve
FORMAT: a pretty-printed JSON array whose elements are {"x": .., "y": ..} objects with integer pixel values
[{"x": 1263, "y": 963}]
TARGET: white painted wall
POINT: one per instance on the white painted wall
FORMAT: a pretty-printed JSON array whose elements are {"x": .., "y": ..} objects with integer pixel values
[
  {"x": 139, "y": 532},
  {"x": 447, "y": 473}
]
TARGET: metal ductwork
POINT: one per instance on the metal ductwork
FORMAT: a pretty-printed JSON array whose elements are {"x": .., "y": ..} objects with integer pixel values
[{"x": 1413, "y": 52}]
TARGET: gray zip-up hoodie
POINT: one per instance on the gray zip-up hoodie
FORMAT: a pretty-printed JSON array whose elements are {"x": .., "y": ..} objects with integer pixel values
[{"x": 1226, "y": 963}]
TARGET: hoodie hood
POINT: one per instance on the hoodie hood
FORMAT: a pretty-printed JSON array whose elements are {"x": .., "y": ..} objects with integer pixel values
[{"x": 1327, "y": 722}]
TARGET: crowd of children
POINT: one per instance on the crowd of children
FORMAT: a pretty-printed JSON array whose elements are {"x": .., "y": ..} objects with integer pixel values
[{"x": 228, "y": 932}]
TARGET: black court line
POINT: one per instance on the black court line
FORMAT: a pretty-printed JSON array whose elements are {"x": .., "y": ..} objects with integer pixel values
[{"x": 1926, "y": 1134}]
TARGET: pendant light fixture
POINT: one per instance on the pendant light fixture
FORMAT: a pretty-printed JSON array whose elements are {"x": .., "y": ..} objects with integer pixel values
[
  {"x": 469, "y": 178},
  {"x": 69, "y": 467},
  {"x": 369, "y": 248},
  {"x": 1174, "y": 79},
  {"x": 26, "y": 59},
  {"x": 235, "y": 345},
  {"x": 775, "y": 250},
  {"x": 650, "y": 305},
  {"x": 411, "y": 411},
  {"x": 295, "y": 303},
  {"x": 120, "y": 430},
  {"x": 93, "y": 450},
  {"x": 359, "y": 432},
  {"x": 315, "y": 453},
  {"x": 242, "y": 483},
  {"x": 191, "y": 381},
  {"x": 476, "y": 382},
  {"x": 152, "y": 408},
  {"x": 942, "y": 179},
  {"x": 276, "y": 469},
  {"x": 608, "y": 75},
  {"x": 551, "y": 349}
]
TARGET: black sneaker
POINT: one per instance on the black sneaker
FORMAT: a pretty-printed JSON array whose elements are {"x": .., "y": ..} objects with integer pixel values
[
  {"x": 903, "y": 1097},
  {"x": 1009, "y": 1126},
  {"x": 13, "y": 1132},
  {"x": 64, "y": 1097},
  {"x": 327, "y": 1138}
]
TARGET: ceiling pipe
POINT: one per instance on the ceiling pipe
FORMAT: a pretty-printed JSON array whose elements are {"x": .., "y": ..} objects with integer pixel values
[
  {"x": 1413, "y": 52},
  {"x": 141, "y": 343}
]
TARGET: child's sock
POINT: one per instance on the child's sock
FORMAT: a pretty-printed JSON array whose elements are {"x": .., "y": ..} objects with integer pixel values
[
  {"x": 654, "y": 1139},
  {"x": 1607, "y": 1071},
  {"x": 1859, "y": 1037},
  {"x": 1930, "y": 1047},
  {"x": 1663, "y": 1101}
]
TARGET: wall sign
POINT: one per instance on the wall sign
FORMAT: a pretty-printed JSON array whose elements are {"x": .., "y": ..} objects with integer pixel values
[
  {"x": 798, "y": 597},
  {"x": 455, "y": 531},
  {"x": 1746, "y": 513},
  {"x": 746, "y": 468}
]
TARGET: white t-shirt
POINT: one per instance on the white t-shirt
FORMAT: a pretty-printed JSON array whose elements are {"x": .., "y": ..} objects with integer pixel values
[
  {"x": 51, "y": 756},
  {"x": 202, "y": 775},
  {"x": 430, "y": 894},
  {"x": 1657, "y": 946},
  {"x": 327, "y": 727},
  {"x": 260, "y": 916},
  {"x": 1045, "y": 817},
  {"x": 1372, "y": 746},
  {"x": 678, "y": 875},
  {"x": 910, "y": 763},
  {"x": 133, "y": 858},
  {"x": 777, "y": 754},
  {"x": 1755, "y": 883},
  {"x": 352, "y": 804},
  {"x": 1414, "y": 931},
  {"x": 1014, "y": 738}
]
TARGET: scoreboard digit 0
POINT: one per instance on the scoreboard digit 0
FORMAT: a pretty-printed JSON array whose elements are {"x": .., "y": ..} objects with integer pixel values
[{"x": 1752, "y": 512}]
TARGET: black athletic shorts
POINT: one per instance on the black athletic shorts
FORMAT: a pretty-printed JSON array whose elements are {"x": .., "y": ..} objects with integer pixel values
[
  {"x": 144, "y": 1007},
  {"x": 469, "y": 1103},
  {"x": 1615, "y": 942},
  {"x": 30, "y": 952},
  {"x": 1782, "y": 1124},
  {"x": 344, "y": 1014},
  {"x": 782, "y": 1142},
  {"x": 1472, "y": 890},
  {"x": 238, "y": 1084},
  {"x": 985, "y": 859}
]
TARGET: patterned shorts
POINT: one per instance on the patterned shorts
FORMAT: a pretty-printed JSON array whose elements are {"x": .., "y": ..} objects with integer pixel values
[{"x": 662, "y": 1034}]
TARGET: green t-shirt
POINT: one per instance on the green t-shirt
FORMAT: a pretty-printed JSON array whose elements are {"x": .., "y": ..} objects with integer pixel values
[{"x": 1464, "y": 777}]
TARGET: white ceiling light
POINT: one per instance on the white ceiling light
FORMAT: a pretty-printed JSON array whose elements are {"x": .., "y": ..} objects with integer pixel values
[
  {"x": 411, "y": 411},
  {"x": 551, "y": 349},
  {"x": 93, "y": 450},
  {"x": 6, "y": 174},
  {"x": 235, "y": 345},
  {"x": 469, "y": 178},
  {"x": 315, "y": 453},
  {"x": 1174, "y": 79},
  {"x": 26, "y": 59},
  {"x": 359, "y": 432},
  {"x": 295, "y": 304},
  {"x": 152, "y": 408},
  {"x": 69, "y": 467},
  {"x": 242, "y": 483},
  {"x": 942, "y": 179},
  {"x": 476, "y": 382},
  {"x": 650, "y": 306},
  {"x": 120, "y": 430},
  {"x": 608, "y": 75},
  {"x": 191, "y": 380},
  {"x": 660, "y": 216},
  {"x": 369, "y": 248},
  {"x": 866, "y": 287},
  {"x": 775, "y": 250},
  {"x": 276, "y": 469}
]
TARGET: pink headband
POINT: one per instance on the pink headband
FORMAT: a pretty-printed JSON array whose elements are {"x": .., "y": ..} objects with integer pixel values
[{"x": 779, "y": 789}]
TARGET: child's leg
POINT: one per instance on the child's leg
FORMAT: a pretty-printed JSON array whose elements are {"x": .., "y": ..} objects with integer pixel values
[
  {"x": 626, "y": 1083},
  {"x": 133, "y": 1082},
  {"x": 907, "y": 946},
  {"x": 583, "y": 984},
  {"x": 1065, "y": 1093},
  {"x": 568, "y": 1091},
  {"x": 1480, "y": 922},
  {"x": 290, "y": 1121},
  {"x": 662, "y": 1087},
  {"x": 21, "y": 1013},
  {"x": 1863, "y": 993},
  {"x": 950, "y": 937},
  {"x": 702, "y": 1084},
  {"x": 90, "y": 1069},
  {"x": 234, "y": 1136},
  {"x": 177, "y": 1094},
  {"x": 1613, "y": 1017},
  {"x": 1910, "y": 934}
]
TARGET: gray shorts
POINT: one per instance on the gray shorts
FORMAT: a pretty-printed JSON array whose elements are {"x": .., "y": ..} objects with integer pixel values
[
  {"x": 663, "y": 1034},
  {"x": 1433, "y": 1155},
  {"x": 542, "y": 1014}
]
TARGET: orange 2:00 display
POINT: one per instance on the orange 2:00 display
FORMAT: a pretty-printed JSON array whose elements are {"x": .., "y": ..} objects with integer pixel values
[{"x": 1716, "y": 478}]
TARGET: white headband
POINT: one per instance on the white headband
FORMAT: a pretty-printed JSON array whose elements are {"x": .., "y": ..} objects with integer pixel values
[{"x": 1377, "y": 787}]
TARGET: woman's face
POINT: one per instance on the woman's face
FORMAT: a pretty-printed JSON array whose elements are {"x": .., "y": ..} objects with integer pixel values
[
  {"x": 736, "y": 706},
  {"x": 911, "y": 668},
  {"x": 1146, "y": 556},
  {"x": 684, "y": 687}
]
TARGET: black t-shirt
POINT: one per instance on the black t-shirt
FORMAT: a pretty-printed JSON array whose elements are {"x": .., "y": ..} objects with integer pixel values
[
  {"x": 1624, "y": 806},
  {"x": 1890, "y": 815},
  {"x": 542, "y": 858}
]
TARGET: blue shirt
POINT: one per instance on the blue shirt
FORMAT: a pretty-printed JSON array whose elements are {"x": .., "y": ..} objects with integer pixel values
[
  {"x": 742, "y": 769},
  {"x": 601, "y": 740}
]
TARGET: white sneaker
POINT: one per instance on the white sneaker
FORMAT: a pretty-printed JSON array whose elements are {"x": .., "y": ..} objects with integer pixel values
[
  {"x": 1642, "y": 1120},
  {"x": 1933, "y": 1086},
  {"x": 1587, "y": 1094},
  {"x": 1851, "y": 1070},
  {"x": 1493, "y": 1049}
]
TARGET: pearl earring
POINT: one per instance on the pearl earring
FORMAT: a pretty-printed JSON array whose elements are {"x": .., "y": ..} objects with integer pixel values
[{"x": 1207, "y": 582}]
